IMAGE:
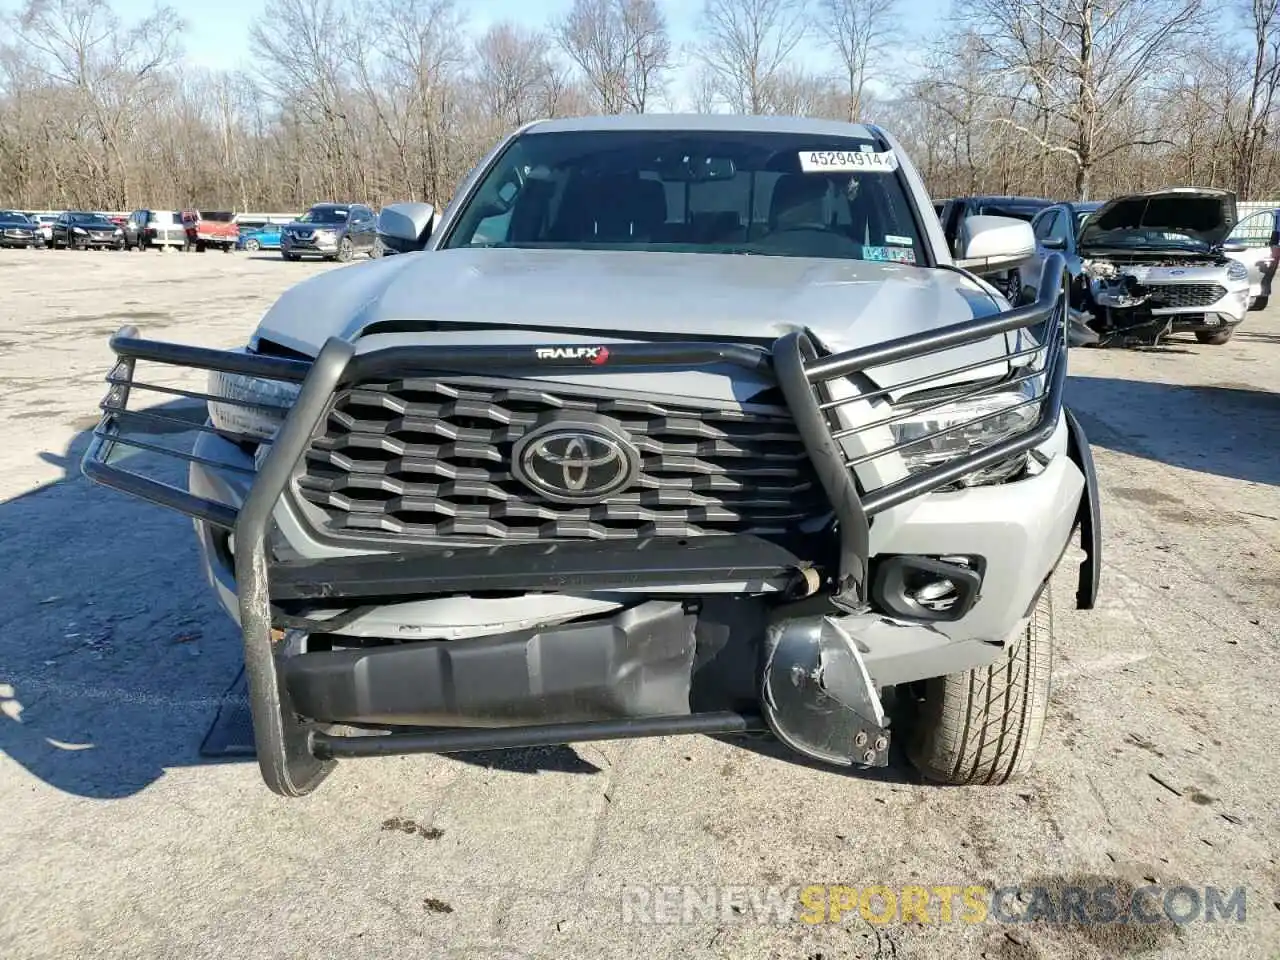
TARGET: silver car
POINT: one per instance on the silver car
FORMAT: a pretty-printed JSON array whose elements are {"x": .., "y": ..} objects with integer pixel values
[{"x": 668, "y": 425}]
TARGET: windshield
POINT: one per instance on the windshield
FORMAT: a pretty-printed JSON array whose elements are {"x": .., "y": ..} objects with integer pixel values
[
  {"x": 324, "y": 215},
  {"x": 13, "y": 216},
  {"x": 773, "y": 194},
  {"x": 90, "y": 219}
]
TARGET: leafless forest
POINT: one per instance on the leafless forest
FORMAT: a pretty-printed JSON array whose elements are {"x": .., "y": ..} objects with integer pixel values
[{"x": 346, "y": 99}]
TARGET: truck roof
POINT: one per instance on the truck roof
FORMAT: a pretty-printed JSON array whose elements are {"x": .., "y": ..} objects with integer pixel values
[{"x": 707, "y": 122}]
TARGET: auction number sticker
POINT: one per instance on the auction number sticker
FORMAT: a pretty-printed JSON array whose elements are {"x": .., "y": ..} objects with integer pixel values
[{"x": 848, "y": 161}]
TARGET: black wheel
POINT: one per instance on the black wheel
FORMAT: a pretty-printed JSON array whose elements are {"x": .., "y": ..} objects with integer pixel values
[
  {"x": 984, "y": 726},
  {"x": 345, "y": 250},
  {"x": 1215, "y": 338}
]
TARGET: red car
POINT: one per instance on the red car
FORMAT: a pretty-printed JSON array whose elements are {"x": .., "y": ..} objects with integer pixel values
[{"x": 211, "y": 229}]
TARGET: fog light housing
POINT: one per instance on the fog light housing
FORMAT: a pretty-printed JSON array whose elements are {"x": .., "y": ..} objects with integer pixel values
[{"x": 934, "y": 589}]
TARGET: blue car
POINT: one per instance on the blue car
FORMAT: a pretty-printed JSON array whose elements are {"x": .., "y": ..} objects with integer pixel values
[{"x": 262, "y": 236}]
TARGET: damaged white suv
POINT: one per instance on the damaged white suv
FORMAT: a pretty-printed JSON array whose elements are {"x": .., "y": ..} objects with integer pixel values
[
  {"x": 675, "y": 425},
  {"x": 1148, "y": 265}
]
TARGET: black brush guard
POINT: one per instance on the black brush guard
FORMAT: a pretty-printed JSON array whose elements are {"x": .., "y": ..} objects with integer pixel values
[{"x": 295, "y": 753}]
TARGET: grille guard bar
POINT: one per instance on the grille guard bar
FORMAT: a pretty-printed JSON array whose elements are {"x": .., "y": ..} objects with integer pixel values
[
  {"x": 802, "y": 374},
  {"x": 286, "y": 743}
]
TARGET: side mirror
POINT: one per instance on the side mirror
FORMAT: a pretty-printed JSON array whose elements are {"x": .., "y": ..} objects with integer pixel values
[
  {"x": 1054, "y": 243},
  {"x": 405, "y": 227},
  {"x": 994, "y": 244}
]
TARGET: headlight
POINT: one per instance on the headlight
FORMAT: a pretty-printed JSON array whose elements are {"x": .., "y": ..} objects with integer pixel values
[
  {"x": 326, "y": 234},
  {"x": 949, "y": 431},
  {"x": 1237, "y": 271},
  {"x": 249, "y": 422},
  {"x": 79, "y": 230},
  {"x": 119, "y": 231}
]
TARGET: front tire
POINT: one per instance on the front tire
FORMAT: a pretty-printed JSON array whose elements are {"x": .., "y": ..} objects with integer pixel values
[
  {"x": 1215, "y": 338},
  {"x": 984, "y": 726},
  {"x": 345, "y": 250}
]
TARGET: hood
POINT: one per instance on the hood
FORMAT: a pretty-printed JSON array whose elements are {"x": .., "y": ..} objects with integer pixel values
[
  {"x": 564, "y": 296},
  {"x": 1186, "y": 218}
]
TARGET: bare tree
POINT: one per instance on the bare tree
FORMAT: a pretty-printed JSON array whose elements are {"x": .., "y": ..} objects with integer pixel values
[
  {"x": 1109, "y": 53},
  {"x": 399, "y": 100},
  {"x": 745, "y": 44},
  {"x": 1262, "y": 18},
  {"x": 514, "y": 76},
  {"x": 859, "y": 31},
  {"x": 621, "y": 47},
  {"x": 302, "y": 46},
  {"x": 108, "y": 67}
]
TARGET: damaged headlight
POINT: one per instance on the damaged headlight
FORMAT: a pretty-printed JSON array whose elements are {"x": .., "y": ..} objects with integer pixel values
[
  {"x": 947, "y": 431},
  {"x": 261, "y": 410},
  {"x": 1237, "y": 271}
]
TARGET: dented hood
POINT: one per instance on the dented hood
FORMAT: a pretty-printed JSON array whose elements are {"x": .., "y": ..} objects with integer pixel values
[
  {"x": 566, "y": 296},
  {"x": 1194, "y": 218}
]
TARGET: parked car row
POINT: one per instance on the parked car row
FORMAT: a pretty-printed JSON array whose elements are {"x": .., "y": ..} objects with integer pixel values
[
  {"x": 329, "y": 231},
  {"x": 1140, "y": 266}
]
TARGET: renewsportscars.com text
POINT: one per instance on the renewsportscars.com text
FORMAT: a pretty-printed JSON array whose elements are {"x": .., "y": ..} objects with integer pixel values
[{"x": 939, "y": 904}]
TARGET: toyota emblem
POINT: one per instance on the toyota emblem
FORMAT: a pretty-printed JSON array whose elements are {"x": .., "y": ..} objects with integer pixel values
[{"x": 576, "y": 461}]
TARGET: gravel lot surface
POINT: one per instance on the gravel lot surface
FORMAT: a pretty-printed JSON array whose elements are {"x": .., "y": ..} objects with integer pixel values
[{"x": 117, "y": 840}]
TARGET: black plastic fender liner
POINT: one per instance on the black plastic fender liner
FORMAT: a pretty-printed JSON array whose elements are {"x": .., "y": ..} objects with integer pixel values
[
  {"x": 282, "y": 740},
  {"x": 817, "y": 695},
  {"x": 1089, "y": 516}
]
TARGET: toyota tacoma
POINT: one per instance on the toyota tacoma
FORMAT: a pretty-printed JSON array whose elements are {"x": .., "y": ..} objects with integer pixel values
[{"x": 668, "y": 425}]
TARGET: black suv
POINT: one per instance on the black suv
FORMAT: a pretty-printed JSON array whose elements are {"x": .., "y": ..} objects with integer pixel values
[
  {"x": 331, "y": 231},
  {"x": 954, "y": 211}
]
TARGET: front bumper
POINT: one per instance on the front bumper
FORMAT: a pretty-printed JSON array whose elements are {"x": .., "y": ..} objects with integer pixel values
[
  {"x": 314, "y": 245},
  {"x": 691, "y": 664},
  {"x": 97, "y": 240},
  {"x": 166, "y": 236}
]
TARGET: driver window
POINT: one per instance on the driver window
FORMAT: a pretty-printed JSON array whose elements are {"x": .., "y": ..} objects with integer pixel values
[
  {"x": 1044, "y": 223},
  {"x": 1060, "y": 229}
]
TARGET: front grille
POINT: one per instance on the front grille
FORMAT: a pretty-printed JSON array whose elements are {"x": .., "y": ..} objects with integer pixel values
[
  {"x": 1172, "y": 295},
  {"x": 432, "y": 458}
]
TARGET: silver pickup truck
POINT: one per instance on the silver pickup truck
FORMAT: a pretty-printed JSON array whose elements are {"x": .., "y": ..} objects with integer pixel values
[{"x": 667, "y": 425}]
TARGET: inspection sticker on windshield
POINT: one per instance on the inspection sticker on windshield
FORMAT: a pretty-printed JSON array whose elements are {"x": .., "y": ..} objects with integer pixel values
[{"x": 848, "y": 161}]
